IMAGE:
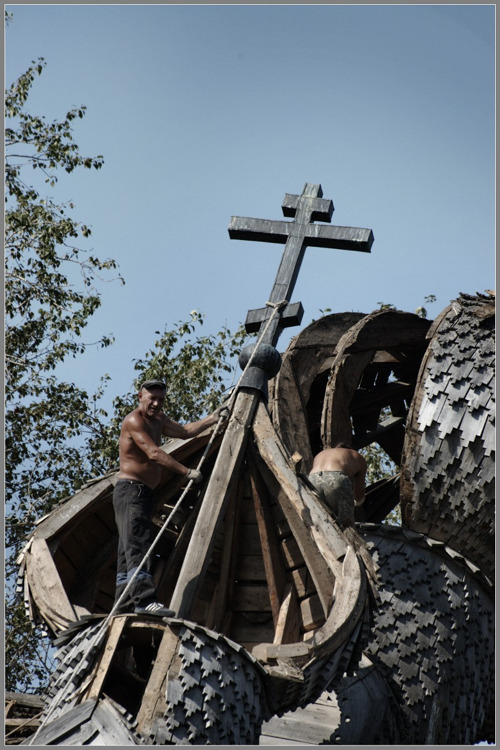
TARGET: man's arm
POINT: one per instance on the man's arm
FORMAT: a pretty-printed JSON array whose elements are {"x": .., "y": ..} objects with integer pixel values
[{"x": 176, "y": 430}]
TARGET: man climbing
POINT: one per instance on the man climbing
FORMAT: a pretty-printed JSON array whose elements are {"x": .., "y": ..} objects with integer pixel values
[
  {"x": 141, "y": 465},
  {"x": 338, "y": 474}
]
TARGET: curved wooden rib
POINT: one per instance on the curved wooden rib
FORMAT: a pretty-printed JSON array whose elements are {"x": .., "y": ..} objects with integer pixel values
[
  {"x": 68, "y": 563},
  {"x": 305, "y": 364},
  {"x": 350, "y": 583},
  {"x": 388, "y": 339}
]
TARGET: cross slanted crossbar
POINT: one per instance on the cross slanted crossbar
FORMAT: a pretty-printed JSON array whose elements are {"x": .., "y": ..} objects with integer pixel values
[{"x": 298, "y": 234}]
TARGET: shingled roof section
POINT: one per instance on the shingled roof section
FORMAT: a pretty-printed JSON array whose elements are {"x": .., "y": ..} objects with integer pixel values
[{"x": 447, "y": 486}]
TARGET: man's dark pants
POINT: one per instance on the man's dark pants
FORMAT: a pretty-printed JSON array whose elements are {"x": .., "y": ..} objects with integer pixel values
[{"x": 133, "y": 506}]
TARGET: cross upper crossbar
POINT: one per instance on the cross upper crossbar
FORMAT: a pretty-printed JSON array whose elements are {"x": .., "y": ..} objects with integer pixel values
[{"x": 298, "y": 234}]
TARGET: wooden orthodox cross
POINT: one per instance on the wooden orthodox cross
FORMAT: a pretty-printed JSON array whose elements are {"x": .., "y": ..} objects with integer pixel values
[{"x": 297, "y": 235}]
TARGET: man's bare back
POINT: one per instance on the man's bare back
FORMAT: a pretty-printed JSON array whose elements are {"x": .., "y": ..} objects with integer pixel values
[{"x": 347, "y": 460}]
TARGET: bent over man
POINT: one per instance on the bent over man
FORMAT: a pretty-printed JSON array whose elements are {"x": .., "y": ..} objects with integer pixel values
[
  {"x": 338, "y": 474},
  {"x": 141, "y": 464}
]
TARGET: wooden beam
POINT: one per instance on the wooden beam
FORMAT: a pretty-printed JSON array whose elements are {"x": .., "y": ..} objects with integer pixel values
[
  {"x": 214, "y": 503},
  {"x": 154, "y": 701},
  {"x": 46, "y": 588},
  {"x": 113, "y": 637},
  {"x": 300, "y": 547},
  {"x": 225, "y": 584},
  {"x": 273, "y": 562},
  {"x": 315, "y": 521},
  {"x": 288, "y": 625},
  {"x": 350, "y": 601}
]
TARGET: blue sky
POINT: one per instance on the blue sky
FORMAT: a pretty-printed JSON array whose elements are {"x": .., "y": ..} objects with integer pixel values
[{"x": 207, "y": 111}]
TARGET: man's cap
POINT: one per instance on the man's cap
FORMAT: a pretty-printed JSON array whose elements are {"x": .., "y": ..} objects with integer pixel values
[{"x": 153, "y": 384}]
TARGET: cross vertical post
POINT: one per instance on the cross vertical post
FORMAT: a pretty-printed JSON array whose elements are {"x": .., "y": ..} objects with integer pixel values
[{"x": 298, "y": 234}]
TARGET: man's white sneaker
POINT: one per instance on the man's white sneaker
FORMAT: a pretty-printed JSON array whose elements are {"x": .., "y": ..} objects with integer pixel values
[{"x": 156, "y": 609}]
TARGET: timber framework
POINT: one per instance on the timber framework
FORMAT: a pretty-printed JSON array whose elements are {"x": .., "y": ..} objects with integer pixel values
[{"x": 289, "y": 630}]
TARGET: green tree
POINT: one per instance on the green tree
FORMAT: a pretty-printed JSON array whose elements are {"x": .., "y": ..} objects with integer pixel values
[
  {"x": 195, "y": 368},
  {"x": 46, "y": 309}
]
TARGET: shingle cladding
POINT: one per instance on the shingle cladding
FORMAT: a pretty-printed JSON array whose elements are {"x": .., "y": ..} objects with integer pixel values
[{"x": 447, "y": 488}]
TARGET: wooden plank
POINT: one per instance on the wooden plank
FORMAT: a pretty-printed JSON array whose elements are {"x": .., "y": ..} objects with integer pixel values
[
  {"x": 154, "y": 701},
  {"x": 11, "y": 723},
  {"x": 303, "y": 583},
  {"x": 350, "y": 601},
  {"x": 273, "y": 562},
  {"x": 250, "y": 568},
  {"x": 291, "y": 422},
  {"x": 112, "y": 728},
  {"x": 292, "y": 554},
  {"x": 65, "y": 724},
  {"x": 312, "y": 725},
  {"x": 309, "y": 552},
  {"x": 113, "y": 636},
  {"x": 214, "y": 503},
  {"x": 46, "y": 588},
  {"x": 251, "y": 598},
  {"x": 243, "y": 631},
  {"x": 215, "y": 619},
  {"x": 311, "y": 613},
  {"x": 327, "y": 536},
  {"x": 167, "y": 573},
  {"x": 74, "y": 509},
  {"x": 24, "y": 699},
  {"x": 288, "y": 624}
]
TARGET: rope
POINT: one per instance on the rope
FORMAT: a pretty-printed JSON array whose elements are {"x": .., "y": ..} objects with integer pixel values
[
  {"x": 103, "y": 627},
  {"x": 277, "y": 306},
  {"x": 100, "y": 633}
]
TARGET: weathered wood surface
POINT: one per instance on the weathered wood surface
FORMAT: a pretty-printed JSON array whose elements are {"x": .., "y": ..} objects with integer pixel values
[
  {"x": 355, "y": 711},
  {"x": 221, "y": 482},
  {"x": 275, "y": 573},
  {"x": 297, "y": 235},
  {"x": 22, "y": 716},
  {"x": 90, "y": 723},
  {"x": 115, "y": 633},
  {"x": 154, "y": 704},
  {"x": 400, "y": 334},
  {"x": 274, "y": 555},
  {"x": 304, "y": 369},
  {"x": 316, "y": 525},
  {"x": 46, "y": 588},
  {"x": 70, "y": 570},
  {"x": 448, "y": 474}
]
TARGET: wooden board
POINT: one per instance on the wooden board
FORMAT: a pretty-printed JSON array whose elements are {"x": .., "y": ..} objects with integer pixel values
[{"x": 214, "y": 503}]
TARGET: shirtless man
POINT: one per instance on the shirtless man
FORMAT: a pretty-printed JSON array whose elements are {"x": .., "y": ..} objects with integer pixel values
[
  {"x": 338, "y": 474},
  {"x": 141, "y": 464}
]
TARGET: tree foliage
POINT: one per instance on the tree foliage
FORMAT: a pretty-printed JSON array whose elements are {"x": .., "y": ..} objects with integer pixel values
[
  {"x": 57, "y": 435},
  {"x": 195, "y": 368},
  {"x": 50, "y": 294}
]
